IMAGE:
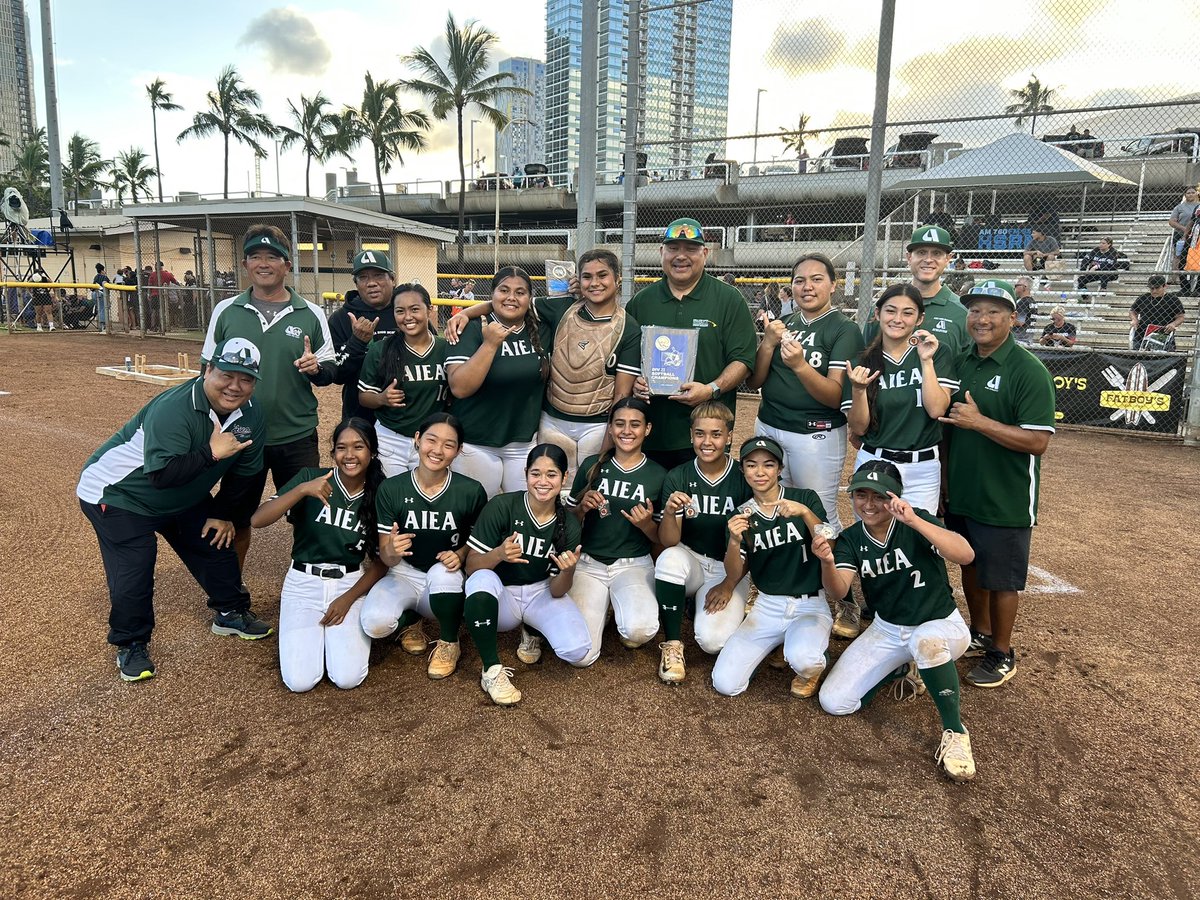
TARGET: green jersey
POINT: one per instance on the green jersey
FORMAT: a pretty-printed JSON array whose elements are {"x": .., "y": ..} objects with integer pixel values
[
  {"x": 829, "y": 341},
  {"x": 581, "y": 354},
  {"x": 778, "y": 549},
  {"x": 607, "y": 538},
  {"x": 987, "y": 482},
  {"x": 713, "y": 503},
  {"x": 438, "y": 522},
  {"x": 727, "y": 335},
  {"x": 176, "y": 423},
  {"x": 506, "y": 514},
  {"x": 899, "y": 409},
  {"x": 283, "y": 391},
  {"x": 903, "y": 578},
  {"x": 945, "y": 316},
  {"x": 326, "y": 534},
  {"x": 507, "y": 407},
  {"x": 423, "y": 383}
]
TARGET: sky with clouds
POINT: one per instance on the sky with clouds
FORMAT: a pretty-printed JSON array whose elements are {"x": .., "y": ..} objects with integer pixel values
[{"x": 809, "y": 57}]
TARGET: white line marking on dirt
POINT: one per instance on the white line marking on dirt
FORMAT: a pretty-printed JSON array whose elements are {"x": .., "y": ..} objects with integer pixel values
[{"x": 1042, "y": 582}]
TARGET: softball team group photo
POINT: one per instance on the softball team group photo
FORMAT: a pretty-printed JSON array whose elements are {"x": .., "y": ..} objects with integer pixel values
[{"x": 517, "y": 473}]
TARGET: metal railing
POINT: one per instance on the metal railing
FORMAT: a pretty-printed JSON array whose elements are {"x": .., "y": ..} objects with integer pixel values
[
  {"x": 784, "y": 231},
  {"x": 718, "y": 170},
  {"x": 813, "y": 165}
]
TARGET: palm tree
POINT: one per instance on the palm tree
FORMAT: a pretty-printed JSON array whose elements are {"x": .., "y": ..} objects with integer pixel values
[
  {"x": 795, "y": 139},
  {"x": 31, "y": 172},
  {"x": 319, "y": 133},
  {"x": 459, "y": 84},
  {"x": 159, "y": 99},
  {"x": 1032, "y": 100},
  {"x": 83, "y": 168},
  {"x": 231, "y": 113},
  {"x": 129, "y": 171},
  {"x": 389, "y": 127}
]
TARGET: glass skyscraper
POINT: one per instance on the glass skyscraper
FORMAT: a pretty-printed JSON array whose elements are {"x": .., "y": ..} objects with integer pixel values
[
  {"x": 18, "y": 117},
  {"x": 524, "y": 140},
  {"x": 685, "y": 92}
]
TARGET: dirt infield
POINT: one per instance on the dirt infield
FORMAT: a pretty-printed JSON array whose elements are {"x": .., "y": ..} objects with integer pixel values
[{"x": 212, "y": 780}]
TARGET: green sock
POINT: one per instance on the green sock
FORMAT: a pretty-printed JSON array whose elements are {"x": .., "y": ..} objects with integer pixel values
[
  {"x": 482, "y": 611},
  {"x": 894, "y": 675},
  {"x": 942, "y": 683},
  {"x": 449, "y": 611},
  {"x": 529, "y": 629},
  {"x": 408, "y": 617},
  {"x": 671, "y": 599}
]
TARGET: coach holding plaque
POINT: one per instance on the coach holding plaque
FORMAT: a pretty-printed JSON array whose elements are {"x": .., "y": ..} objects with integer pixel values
[
  {"x": 687, "y": 299},
  {"x": 1003, "y": 417}
]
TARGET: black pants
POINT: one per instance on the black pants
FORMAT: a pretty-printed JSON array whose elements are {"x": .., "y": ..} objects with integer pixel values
[
  {"x": 129, "y": 547},
  {"x": 1104, "y": 279},
  {"x": 283, "y": 461}
]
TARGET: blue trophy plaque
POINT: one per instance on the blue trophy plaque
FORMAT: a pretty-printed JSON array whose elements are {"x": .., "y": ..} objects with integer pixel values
[{"x": 668, "y": 357}]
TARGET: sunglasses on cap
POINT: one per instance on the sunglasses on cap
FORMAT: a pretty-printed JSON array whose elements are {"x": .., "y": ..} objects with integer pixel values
[
  {"x": 239, "y": 356},
  {"x": 683, "y": 231}
]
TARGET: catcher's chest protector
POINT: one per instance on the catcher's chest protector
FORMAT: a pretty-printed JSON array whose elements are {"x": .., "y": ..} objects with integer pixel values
[{"x": 583, "y": 351}]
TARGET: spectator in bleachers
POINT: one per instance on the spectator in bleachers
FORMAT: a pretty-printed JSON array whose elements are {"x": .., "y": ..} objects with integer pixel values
[
  {"x": 1058, "y": 331},
  {"x": 1025, "y": 310},
  {"x": 1181, "y": 220},
  {"x": 1101, "y": 264},
  {"x": 787, "y": 303},
  {"x": 1043, "y": 217},
  {"x": 941, "y": 218},
  {"x": 1154, "y": 311},
  {"x": 1039, "y": 250},
  {"x": 963, "y": 286}
]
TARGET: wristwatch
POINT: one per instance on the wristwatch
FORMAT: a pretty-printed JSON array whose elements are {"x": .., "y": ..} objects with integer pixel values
[{"x": 716, "y": 389}]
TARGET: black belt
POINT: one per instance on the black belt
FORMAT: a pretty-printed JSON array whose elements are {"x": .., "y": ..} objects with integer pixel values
[
  {"x": 903, "y": 456},
  {"x": 320, "y": 571}
]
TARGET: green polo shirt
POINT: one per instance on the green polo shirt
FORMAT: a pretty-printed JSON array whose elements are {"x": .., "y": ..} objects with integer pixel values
[
  {"x": 176, "y": 422},
  {"x": 987, "y": 482},
  {"x": 284, "y": 393},
  {"x": 727, "y": 335},
  {"x": 945, "y": 316}
]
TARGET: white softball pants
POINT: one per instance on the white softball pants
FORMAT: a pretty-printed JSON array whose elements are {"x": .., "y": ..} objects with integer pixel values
[
  {"x": 578, "y": 440},
  {"x": 812, "y": 461},
  {"x": 883, "y": 648},
  {"x": 922, "y": 480},
  {"x": 307, "y": 649},
  {"x": 557, "y": 618},
  {"x": 405, "y": 587},
  {"x": 498, "y": 469},
  {"x": 629, "y": 585},
  {"x": 397, "y": 453},
  {"x": 698, "y": 574},
  {"x": 801, "y": 624}
]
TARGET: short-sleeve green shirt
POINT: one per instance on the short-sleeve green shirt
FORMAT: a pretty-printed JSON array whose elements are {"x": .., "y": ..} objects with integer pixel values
[
  {"x": 612, "y": 537},
  {"x": 903, "y": 423},
  {"x": 507, "y": 407},
  {"x": 778, "y": 549},
  {"x": 714, "y": 502},
  {"x": 987, "y": 482},
  {"x": 321, "y": 534},
  {"x": 904, "y": 578},
  {"x": 424, "y": 384},
  {"x": 509, "y": 513},
  {"x": 727, "y": 335},
  {"x": 438, "y": 523}
]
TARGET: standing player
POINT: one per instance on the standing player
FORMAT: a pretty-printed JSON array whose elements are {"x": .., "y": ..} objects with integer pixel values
[
  {"x": 698, "y": 498},
  {"x": 364, "y": 319},
  {"x": 403, "y": 379},
  {"x": 520, "y": 563},
  {"x": 155, "y": 476},
  {"x": 1003, "y": 417},
  {"x": 332, "y": 512},
  {"x": 297, "y": 353},
  {"x": 772, "y": 538},
  {"x": 424, "y": 517},
  {"x": 899, "y": 553},
  {"x": 616, "y": 495},
  {"x": 801, "y": 368}
]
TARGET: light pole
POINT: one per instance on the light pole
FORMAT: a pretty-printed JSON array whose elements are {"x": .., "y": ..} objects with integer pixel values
[
  {"x": 496, "y": 237},
  {"x": 474, "y": 122},
  {"x": 757, "y": 101},
  {"x": 277, "y": 188}
]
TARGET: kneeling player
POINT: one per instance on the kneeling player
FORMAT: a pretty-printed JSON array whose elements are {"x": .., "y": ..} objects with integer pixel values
[{"x": 899, "y": 554}]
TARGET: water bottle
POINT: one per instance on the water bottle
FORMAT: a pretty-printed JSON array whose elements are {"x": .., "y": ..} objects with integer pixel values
[{"x": 129, "y": 364}]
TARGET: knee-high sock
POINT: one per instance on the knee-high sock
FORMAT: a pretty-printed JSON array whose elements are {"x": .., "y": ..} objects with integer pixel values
[
  {"x": 482, "y": 611},
  {"x": 671, "y": 599},
  {"x": 408, "y": 617},
  {"x": 894, "y": 675},
  {"x": 942, "y": 684},
  {"x": 449, "y": 611}
]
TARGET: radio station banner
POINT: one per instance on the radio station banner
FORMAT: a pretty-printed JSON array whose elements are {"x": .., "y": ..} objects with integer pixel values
[{"x": 1126, "y": 391}]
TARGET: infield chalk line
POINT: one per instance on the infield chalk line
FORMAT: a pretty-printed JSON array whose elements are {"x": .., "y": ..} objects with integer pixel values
[
  {"x": 3, "y": 393},
  {"x": 1045, "y": 583}
]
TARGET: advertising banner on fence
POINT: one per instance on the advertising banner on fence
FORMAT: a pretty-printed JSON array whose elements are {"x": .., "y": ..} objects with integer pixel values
[{"x": 1128, "y": 391}]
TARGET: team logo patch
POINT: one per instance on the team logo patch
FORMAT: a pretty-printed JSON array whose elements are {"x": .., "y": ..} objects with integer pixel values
[
  {"x": 993, "y": 384},
  {"x": 583, "y": 345},
  {"x": 940, "y": 326},
  {"x": 294, "y": 331},
  {"x": 703, "y": 323},
  {"x": 241, "y": 432}
]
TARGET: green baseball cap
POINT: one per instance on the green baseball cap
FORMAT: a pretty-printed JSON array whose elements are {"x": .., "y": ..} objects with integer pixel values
[
  {"x": 687, "y": 230},
  {"x": 930, "y": 236},
  {"x": 237, "y": 354},
  {"x": 761, "y": 443},
  {"x": 372, "y": 259},
  {"x": 265, "y": 242},
  {"x": 872, "y": 479},
  {"x": 993, "y": 289}
]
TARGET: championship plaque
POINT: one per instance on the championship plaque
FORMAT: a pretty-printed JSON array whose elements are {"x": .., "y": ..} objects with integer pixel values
[
  {"x": 668, "y": 357},
  {"x": 558, "y": 277}
]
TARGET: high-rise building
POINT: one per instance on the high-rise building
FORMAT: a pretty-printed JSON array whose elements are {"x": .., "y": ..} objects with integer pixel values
[
  {"x": 684, "y": 94},
  {"x": 524, "y": 140},
  {"x": 18, "y": 117}
]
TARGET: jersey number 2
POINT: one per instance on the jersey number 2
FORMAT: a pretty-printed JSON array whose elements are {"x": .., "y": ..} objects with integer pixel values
[{"x": 918, "y": 581}]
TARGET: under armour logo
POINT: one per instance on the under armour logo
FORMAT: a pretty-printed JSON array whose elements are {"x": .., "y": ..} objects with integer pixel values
[
  {"x": 946, "y": 692},
  {"x": 692, "y": 485},
  {"x": 484, "y": 622},
  {"x": 519, "y": 522},
  {"x": 409, "y": 500},
  {"x": 862, "y": 548}
]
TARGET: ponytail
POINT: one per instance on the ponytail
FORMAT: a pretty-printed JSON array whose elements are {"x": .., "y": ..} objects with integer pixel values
[
  {"x": 555, "y": 454},
  {"x": 395, "y": 349},
  {"x": 532, "y": 322},
  {"x": 624, "y": 403},
  {"x": 367, "y": 517}
]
